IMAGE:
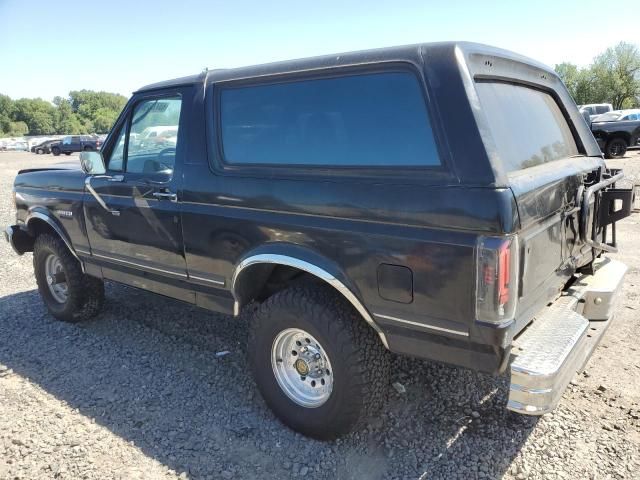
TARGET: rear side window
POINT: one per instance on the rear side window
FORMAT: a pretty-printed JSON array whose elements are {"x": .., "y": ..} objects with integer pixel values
[
  {"x": 359, "y": 120},
  {"x": 602, "y": 109},
  {"x": 527, "y": 125}
]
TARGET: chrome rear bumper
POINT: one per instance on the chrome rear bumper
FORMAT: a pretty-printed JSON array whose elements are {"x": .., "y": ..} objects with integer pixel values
[{"x": 548, "y": 353}]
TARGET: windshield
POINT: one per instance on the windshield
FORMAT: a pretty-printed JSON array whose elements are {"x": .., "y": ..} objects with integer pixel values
[
  {"x": 527, "y": 125},
  {"x": 608, "y": 117}
]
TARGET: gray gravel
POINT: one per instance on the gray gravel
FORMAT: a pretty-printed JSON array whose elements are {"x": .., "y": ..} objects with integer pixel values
[{"x": 139, "y": 392}]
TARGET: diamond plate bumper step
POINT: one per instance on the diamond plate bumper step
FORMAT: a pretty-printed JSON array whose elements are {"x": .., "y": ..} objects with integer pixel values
[{"x": 550, "y": 351}]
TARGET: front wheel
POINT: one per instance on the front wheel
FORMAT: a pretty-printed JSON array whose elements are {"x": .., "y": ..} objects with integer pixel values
[
  {"x": 616, "y": 148},
  {"x": 55, "y": 151},
  {"x": 68, "y": 294},
  {"x": 39, "y": 151},
  {"x": 318, "y": 365}
]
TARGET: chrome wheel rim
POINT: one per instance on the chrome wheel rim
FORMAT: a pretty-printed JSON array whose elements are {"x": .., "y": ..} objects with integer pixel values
[
  {"x": 56, "y": 278},
  {"x": 302, "y": 368}
]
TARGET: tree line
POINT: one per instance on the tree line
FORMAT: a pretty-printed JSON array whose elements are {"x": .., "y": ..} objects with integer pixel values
[
  {"x": 83, "y": 111},
  {"x": 613, "y": 77}
]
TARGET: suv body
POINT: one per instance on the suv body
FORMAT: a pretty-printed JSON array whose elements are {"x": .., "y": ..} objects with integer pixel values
[
  {"x": 75, "y": 143},
  {"x": 403, "y": 198},
  {"x": 617, "y": 131},
  {"x": 595, "y": 109}
]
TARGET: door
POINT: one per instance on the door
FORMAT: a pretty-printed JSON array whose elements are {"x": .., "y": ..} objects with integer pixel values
[
  {"x": 139, "y": 231},
  {"x": 76, "y": 144}
]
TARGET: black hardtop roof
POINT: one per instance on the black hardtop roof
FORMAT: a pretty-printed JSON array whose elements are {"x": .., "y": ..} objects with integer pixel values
[{"x": 411, "y": 53}]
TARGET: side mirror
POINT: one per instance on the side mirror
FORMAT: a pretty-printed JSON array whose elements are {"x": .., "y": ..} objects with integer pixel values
[{"x": 92, "y": 163}]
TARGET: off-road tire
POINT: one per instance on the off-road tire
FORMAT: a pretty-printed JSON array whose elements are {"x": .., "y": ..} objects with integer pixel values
[
  {"x": 55, "y": 151},
  {"x": 359, "y": 360},
  {"x": 616, "y": 148},
  {"x": 85, "y": 293}
]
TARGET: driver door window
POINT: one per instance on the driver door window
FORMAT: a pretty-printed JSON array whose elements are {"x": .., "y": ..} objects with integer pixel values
[{"x": 153, "y": 136}]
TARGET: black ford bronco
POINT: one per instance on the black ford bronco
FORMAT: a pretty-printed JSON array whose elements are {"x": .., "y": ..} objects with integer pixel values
[{"x": 445, "y": 201}]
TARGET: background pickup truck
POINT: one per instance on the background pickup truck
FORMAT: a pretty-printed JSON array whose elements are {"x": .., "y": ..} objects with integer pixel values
[
  {"x": 75, "y": 143},
  {"x": 617, "y": 131},
  {"x": 338, "y": 197}
]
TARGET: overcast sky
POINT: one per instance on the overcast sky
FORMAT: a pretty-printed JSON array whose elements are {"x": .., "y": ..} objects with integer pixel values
[{"x": 49, "y": 47}]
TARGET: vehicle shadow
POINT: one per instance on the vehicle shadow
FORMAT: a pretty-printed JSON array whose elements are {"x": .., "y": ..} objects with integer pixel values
[{"x": 151, "y": 371}]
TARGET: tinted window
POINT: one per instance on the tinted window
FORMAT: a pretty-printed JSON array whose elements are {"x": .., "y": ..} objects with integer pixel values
[
  {"x": 116, "y": 160},
  {"x": 527, "y": 125},
  {"x": 373, "y": 120},
  {"x": 602, "y": 109},
  {"x": 153, "y": 136}
]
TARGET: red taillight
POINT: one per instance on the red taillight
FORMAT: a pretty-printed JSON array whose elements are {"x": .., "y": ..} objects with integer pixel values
[
  {"x": 496, "y": 278},
  {"x": 504, "y": 262}
]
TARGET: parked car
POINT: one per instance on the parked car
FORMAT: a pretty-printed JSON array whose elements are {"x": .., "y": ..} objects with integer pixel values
[
  {"x": 619, "y": 115},
  {"x": 595, "y": 109},
  {"x": 444, "y": 201},
  {"x": 75, "y": 143},
  {"x": 617, "y": 131},
  {"x": 44, "y": 147},
  {"x": 17, "y": 146}
]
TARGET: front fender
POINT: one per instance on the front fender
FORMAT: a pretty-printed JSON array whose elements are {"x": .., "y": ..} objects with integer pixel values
[{"x": 40, "y": 214}]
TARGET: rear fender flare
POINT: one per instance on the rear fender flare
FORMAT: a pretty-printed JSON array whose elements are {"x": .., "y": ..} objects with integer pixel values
[{"x": 304, "y": 260}]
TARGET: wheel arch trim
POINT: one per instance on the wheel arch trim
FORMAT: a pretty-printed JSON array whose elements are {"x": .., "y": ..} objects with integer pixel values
[
  {"x": 321, "y": 273},
  {"x": 48, "y": 219}
]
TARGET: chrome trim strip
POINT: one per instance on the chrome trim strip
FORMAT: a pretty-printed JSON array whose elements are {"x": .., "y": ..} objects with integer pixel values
[
  {"x": 101, "y": 202},
  {"x": 417, "y": 324},
  {"x": 83, "y": 252},
  {"x": 207, "y": 280},
  {"x": 313, "y": 270},
  {"x": 140, "y": 266}
]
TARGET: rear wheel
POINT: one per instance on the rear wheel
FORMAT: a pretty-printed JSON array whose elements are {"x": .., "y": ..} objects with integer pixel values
[
  {"x": 87, "y": 148},
  {"x": 67, "y": 153},
  {"x": 319, "y": 366},
  {"x": 39, "y": 151},
  {"x": 616, "y": 148},
  {"x": 68, "y": 294}
]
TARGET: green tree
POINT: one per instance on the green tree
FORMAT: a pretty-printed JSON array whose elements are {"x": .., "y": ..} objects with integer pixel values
[
  {"x": 67, "y": 121},
  {"x": 613, "y": 77},
  {"x": 38, "y": 114},
  {"x": 617, "y": 75},
  {"x": 18, "y": 129},
  {"x": 6, "y": 111},
  {"x": 84, "y": 111},
  {"x": 579, "y": 82},
  {"x": 97, "y": 110},
  {"x": 103, "y": 119}
]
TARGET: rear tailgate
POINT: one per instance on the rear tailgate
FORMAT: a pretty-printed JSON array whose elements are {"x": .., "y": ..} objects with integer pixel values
[
  {"x": 549, "y": 199},
  {"x": 536, "y": 150}
]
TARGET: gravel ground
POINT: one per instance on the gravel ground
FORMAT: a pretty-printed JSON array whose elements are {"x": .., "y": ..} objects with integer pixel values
[{"x": 140, "y": 393}]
